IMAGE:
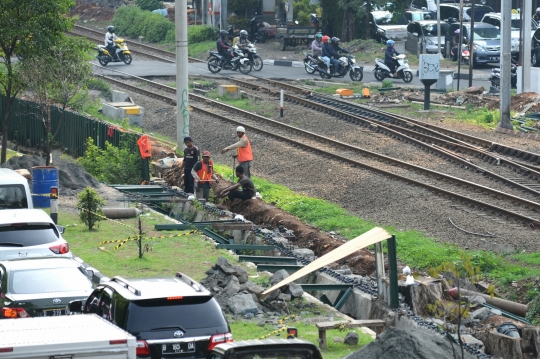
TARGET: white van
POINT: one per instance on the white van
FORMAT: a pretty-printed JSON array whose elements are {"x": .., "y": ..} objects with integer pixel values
[{"x": 14, "y": 190}]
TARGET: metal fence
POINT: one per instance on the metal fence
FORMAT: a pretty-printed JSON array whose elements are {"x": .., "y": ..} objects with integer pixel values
[{"x": 26, "y": 128}]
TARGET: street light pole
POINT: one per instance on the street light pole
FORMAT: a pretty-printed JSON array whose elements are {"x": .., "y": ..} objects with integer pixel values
[
  {"x": 438, "y": 29},
  {"x": 182, "y": 95},
  {"x": 506, "y": 63}
]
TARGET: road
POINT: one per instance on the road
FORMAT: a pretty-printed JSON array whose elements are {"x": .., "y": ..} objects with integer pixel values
[{"x": 161, "y": 69}]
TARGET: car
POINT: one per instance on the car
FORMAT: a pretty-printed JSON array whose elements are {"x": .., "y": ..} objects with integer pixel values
[
  {"x": 14, "y": 190},
  {"x": 420, "y": 15},
  {"x": 450, "y": 12},
  {"x": 385, "y": 26},
  {"x": 430, "y": 5},
  {"x": 535, "y": 48},
  {"x": 171, "y": 317},
  {"x": 487, "y": 41},
  {"x": 41, "y": 287},
  {"x": 426, "y": 32},
  {"x": 495, "y": 19},
  {"x": 30, "y": 233},
  {"x": 267, "y": 348}
]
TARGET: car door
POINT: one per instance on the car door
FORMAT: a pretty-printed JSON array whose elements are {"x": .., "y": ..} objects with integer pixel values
[
  {"x": 105, "y": 304},
  {"x": 92, "y": 303}
]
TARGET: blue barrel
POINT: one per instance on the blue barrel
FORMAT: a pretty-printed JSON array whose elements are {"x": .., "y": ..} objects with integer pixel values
[{"x": 43, "y": 178}]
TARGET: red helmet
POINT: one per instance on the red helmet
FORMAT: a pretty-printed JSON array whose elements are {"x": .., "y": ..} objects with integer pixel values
[{"x": 325, "y": 38}]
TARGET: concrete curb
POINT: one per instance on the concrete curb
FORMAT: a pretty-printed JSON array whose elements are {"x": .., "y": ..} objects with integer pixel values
[{"x": 463, "y": 76}]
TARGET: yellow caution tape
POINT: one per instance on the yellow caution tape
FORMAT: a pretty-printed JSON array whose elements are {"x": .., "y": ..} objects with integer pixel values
[
  {"x": 137, "y": 237},
  {"x": 284, "y": 327},
  {"x": 108, "y": 219}
]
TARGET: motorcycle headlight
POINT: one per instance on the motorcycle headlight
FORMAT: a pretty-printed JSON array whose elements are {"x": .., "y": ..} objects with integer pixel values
[{"x": 353, "y": 60}]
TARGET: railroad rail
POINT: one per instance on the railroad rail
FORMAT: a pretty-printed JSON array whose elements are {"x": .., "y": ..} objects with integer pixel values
[{"x": 527, "y": 211}]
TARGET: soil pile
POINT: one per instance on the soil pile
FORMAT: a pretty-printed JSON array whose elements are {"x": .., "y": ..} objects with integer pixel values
[
  {"x": 409, "y": 344},
  {"x": 518, "y": 102},
  {"x": 72, "y": 177},
  {"x": 94, "y": 12}
]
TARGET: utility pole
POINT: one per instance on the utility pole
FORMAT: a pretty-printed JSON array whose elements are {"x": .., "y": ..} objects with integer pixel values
[
  {"x": 506, "y": 63},
  {"x": 224, "y": 15},
  {"x": 526, "y": 64},
  {"x": 182, "y": 95},
  {"x": 438, "y": 29},
  {"x": 471, "y": 46},
  {"x": 460, "y": 42}
]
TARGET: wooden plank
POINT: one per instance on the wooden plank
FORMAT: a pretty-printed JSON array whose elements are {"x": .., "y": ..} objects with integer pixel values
[{"x": 371, "y": 237}]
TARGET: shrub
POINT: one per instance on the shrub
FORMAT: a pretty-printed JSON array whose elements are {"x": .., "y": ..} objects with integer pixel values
[
  {"x": 149, "y": 4},
  {"x": 240, "y": 23},
  {"x": 156, "y": 27},
  {"x": 100, "y": 85},
  {"x": 201, "y": 33},
  {"x": 89, "y": 206},
  {"x": 387, "y": 84},
  {"x": 134, "y": 22}
]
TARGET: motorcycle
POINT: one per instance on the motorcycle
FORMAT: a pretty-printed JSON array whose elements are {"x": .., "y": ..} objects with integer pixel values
[
  {"x": 347, "y": 63},
  {"x": 382, "y": 71},
  {"x": 311, "y": 62},
  {"x": 239, "y": 62},
  {"x": 254, "y": 58},
  {"x": 465, "y": 54},
  {"x": 495, "y": 77},
  {"x": 258, "y": 31},
  {"x": 122, "y": 53}
]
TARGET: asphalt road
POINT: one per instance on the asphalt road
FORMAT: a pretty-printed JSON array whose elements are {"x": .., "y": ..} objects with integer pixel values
[{"x": 158, "y": 69}]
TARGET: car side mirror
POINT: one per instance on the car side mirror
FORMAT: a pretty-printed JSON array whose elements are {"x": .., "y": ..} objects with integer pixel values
[
  {"x": 75, "y": 306},
  {"x": 61, "y": 229},
  {"x": 90, "y": 273},
  {"x": 415, "y": 34}
]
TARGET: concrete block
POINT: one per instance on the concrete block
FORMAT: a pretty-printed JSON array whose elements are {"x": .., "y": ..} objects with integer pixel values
[
  {"x": 132, "y": 110},
  {"x": 446, "y": 80},
  {"x": 229, "y": 90},
  {"x": 119, "y": 96}
]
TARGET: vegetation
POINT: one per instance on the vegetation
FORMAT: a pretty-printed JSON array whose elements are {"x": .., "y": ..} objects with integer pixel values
[
  {"x": 113, "y": 164},
  {"x": 149, "y": 5},
  {"x": 242, "y": 7},
  {"x": 302, "y": 10},
  {"x": 89, "y": 206},
  {"x": 134, "y": 22},
  {"x": 201, "y": 33},
  {"x": 100, "y": 85},
  {"x": 387, "y": 84}
]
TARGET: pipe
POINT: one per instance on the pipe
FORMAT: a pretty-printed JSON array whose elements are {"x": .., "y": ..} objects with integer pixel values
[
  {"x": 509, "y": 306},
  {"x": 118, "y": 213}
]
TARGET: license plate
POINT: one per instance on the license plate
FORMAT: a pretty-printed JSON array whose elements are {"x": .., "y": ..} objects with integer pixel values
[
  {"x": 176, "y": 348},
  {"x": 494, "y": 58},
  {"x": 54, "y": 312}
]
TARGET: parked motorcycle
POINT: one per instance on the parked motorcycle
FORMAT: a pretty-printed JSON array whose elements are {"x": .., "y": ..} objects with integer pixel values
[
  {"x": 232, "y": 32},
  {"x": 310, "y": 63},
  {"x": 495, "y": 77},
  {"x": 347, "y": 64},
  {"x": 254, "y": 58},
  {"x": 239, "y": 62},
  {"x": 382, "y": 71},
  {"x": 122, "y": 53}
]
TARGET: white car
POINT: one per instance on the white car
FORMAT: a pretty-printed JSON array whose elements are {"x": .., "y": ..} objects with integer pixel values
[
  {"x": 30, "y": 233},
  {"x": 14, "y": 190}
]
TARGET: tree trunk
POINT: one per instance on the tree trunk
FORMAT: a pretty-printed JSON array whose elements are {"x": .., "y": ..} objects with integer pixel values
[
  {"x": 7, "y": 115},
  {"x": 48, "y": 140},
  {"x": 368, "y": 28},
  {"x": 349, "y": 26}
]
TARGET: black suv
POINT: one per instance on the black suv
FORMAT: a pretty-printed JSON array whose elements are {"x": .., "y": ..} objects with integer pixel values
[
  {"x": 171, "y": 317},
  {"x": 450, "y": 12}
]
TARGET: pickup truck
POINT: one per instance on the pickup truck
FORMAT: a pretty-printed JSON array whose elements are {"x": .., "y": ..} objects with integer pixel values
[
  {"x": 267, "y": 348},
  {"x": 295, "y": 35},
  {"x": 66, "y": 337}
]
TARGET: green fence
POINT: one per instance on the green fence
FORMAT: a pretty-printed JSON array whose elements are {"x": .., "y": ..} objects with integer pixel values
[{"x": 27, "y": 129}]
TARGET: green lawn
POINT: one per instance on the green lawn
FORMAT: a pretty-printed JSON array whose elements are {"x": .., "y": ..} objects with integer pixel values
[
  {"x": 200, "y": 49},
  {"x": 10, "y": 153}
]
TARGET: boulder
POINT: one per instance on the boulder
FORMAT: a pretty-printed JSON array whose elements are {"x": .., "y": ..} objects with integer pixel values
[
  {"x": 351, "y": 338},
  {"x": 253, "y": 288},
  {"x": 305, "y": 253},
  {"x": 278, "y": 276},
  {"x": 283, "y": 241},
  {"x": 273, "y": 295},
  {"x": 481, "y": 313},
  {"x": 226, "y": 266},
  {"x": 476, "y": 300},
  {"x": 469, "y": 339},
  {"x": 242, "y": 304},
  {"x": 241, "y": 274},
  {"x": 285, "y": 297},
  {"x": 295, "y": 290},
  {"x": 232, "y": 287}
]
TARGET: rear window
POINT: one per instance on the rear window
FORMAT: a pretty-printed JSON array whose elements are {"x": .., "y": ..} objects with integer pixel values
[
  {"x": 162, "y": 314},
  {"x": 13, "y": 196},
  {"x": 48, "y": 280},
  {"x": 28, "y": 235}
]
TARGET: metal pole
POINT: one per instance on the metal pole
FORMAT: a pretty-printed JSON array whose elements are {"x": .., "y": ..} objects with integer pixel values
[
  {"x": 506, "y": 63},
  {"x": 182, "y": 97},
  {"x": 471, "y": 47},
  {"x": 526, "y": 65},
  {"x": 439, "y": 29},
  {"x": 213, "y": 13},
  {"x": 393, "y": 275},
  {"x": 281, "y": 103},
  {"x": 379, "y": 265},
  {"x": 224, "y": 15},
  {"x": 460, "y": 42},
  {"x": 54, "y": 204}
]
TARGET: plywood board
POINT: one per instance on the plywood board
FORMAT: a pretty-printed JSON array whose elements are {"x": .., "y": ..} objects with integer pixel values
[{"x": 371, "y": 237}]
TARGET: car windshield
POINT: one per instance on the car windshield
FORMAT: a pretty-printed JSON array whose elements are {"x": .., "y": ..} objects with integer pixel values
[
  {"x": 186, "y": 313},
  {"x": 430, "y": 30},
  {"x": 13, "y": 196},
  {"x": 48, "y": 280},
  {"x": 388, "y": 19},
  {"x": 27, "y": 235},
  {"x": 515, "y": 24},
  {"x": 486, "y": 33}
]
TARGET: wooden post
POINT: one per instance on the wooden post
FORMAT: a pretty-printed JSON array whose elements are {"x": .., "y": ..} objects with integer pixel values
[{"x": 322, "y": 339}]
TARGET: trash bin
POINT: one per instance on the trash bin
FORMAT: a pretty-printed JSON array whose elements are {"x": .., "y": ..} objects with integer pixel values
[
  {"x": 446, "y": 80},
  {"x": 43, "y": 178}
]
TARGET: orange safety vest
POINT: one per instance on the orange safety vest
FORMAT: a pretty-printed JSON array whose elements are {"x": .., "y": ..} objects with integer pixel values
[
  {"x": 144, "y": 147},
  {"x": 206, "y": 171},
  {"x": 244, "y": 153}
]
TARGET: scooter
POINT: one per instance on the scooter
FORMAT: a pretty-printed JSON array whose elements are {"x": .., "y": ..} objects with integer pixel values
[
  {"x": 122, "y": 53},
  {"x": 382, "y": 71},
  {"x": 347, "y": 64},
  {"x": 495, "y": 77},
  {"x": 239, "y": 62}
]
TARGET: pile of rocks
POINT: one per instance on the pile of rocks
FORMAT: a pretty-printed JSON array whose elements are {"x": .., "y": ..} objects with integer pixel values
[{"x": 237, "y": 295}]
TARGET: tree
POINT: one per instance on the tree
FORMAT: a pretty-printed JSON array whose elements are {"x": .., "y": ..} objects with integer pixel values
[
  {"x": 58, "y": 77},
  {"x": 242, "y": 6},
  {"x": 89, "y": 205},
  {"x": 27, "y": 27}
]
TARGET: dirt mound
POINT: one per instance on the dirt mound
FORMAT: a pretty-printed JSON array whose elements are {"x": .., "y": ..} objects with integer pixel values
[
  {"x": 409, "y": 344},
  {"x": 72, "y": 177},
  {"x": 518, "y": 102},
  {"x": 93, "y": 12}
]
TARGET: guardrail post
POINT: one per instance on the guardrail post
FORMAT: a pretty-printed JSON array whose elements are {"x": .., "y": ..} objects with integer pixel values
[
  {"x": 379, "y": 263},
  {"x": 146, "y": 170},
  {"x": 392, "y": 263},
  {"x": 54, "y": 204}
]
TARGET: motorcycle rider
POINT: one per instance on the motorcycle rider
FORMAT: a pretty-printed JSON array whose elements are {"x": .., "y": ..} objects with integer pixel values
[
  {"x": 110, "y": 45},
  {"x": 316, "y": 49},
  {"x": 243, "y": 41},
  {"x": 223, "y": 47},
  {"x": 329, "y": 51},
  {"x": 455, "y": 44},
  {"x": 335, "y": 45},
  {"x": 390, "y": 57}
]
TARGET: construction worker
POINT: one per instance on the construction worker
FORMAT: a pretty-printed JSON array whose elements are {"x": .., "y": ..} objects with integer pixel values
[
  {"x": 203, "y": 174},
  {"x": 191, "y": 157},
  {"x": 244, "y": 153},
  {"x": 248, "y": 189}
]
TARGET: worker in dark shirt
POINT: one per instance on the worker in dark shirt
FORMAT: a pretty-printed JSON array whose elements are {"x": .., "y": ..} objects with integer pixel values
[
  {"x": 191, "y": 156},
  {"x": 248, "y": 189}
]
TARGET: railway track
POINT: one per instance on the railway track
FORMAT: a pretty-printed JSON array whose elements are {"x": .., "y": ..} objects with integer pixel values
[
  {"x": 134, "y": 47},
  {"x": 461, "y": 190}
]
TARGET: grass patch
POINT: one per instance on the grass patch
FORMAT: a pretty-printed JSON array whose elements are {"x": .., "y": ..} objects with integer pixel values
[
  {"x": 251, "y": 330},
  {"x": 200, "y": 49},
  {"x": 244, "y": 104},
  {"x": 10, "y": 153}
]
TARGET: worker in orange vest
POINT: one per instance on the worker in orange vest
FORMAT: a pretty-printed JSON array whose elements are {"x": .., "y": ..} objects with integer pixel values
[
  {"x": 203, "y": 174},
  {"x": 244, "y": 153}
]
